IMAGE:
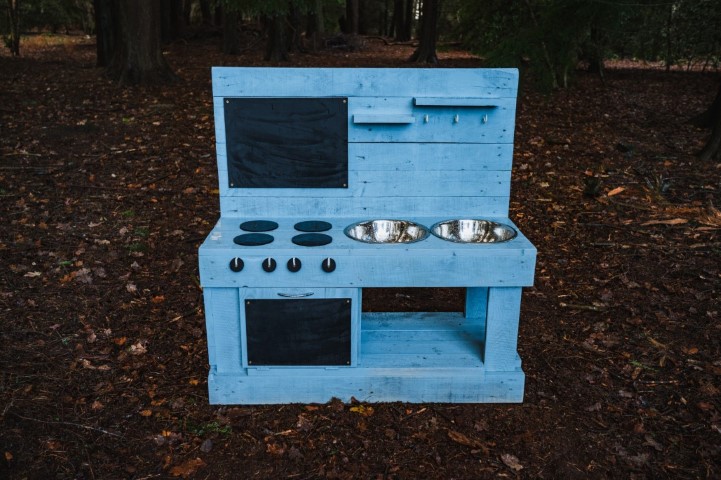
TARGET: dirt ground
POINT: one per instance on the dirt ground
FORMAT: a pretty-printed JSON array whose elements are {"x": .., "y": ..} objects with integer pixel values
[{"x": 108, "y": 192}]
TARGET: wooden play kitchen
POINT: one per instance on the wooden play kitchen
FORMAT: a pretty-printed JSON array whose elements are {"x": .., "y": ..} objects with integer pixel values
[{"x": 333, "y": 180}]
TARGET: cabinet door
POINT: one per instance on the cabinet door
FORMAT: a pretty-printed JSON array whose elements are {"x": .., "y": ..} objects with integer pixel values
[{"x": 298, "y": 332}]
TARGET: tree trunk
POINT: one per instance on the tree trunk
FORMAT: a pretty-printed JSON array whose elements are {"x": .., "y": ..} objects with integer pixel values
[
  {"x": 401, "y": 21},
  {"x": 408, "y": 19},
  {"x": 426, "y": 51},
  {"x": 294, "y": 30},
  {"x": 104, "y": 34},
  {"x": 138, "y": 57},
  {"x": 14, "y": 13},
  {"x": 595, "y": 54},
  {"x": 352, "y": 15},
  {"x": 553, "y": 75},
  {"x": 206, "y": 13},
  {"x": 711, "y": 118},
  {"x": 316, "y": 24},
  {"x": 276, "y": 48},
  {"x": 231, "y": 35},
  {"x": 171, "y": 20}
]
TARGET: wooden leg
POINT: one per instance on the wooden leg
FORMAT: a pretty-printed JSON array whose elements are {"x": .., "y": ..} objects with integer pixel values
[
  {"x": 476, "y": 304},
  {"x": 504, "y": 309},
  {"x": 222, "y": 321}
]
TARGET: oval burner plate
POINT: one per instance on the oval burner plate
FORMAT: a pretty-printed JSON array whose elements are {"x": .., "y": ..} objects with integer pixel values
[
  {"x": 312, "y": 239},
  {"x": 253, "y": 239},
  {"x": 313, "y": 226},
  {"x": 258, "y": 226}
]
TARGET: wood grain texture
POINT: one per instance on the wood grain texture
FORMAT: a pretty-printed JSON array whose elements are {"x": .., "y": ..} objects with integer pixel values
[
  {"x": 441, "y": 385},
  {"x": 504, "y": 309},
  {"x": 222, "y": 316},
  {"x": 392, "y": 268},
  {"x": 347, "y": 82},
  {"x": 304, "y": 208}
]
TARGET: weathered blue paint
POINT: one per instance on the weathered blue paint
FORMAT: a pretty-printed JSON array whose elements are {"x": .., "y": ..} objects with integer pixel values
[{"x": 424, "y": 145}]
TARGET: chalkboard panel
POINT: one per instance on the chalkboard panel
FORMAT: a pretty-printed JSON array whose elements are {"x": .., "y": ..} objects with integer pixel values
[
  {"x": 298, "y": 332},
  {"x": 287, "y": 142}
]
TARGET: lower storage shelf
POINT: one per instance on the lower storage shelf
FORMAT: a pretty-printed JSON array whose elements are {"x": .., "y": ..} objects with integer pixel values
[{"x": 409, "y": 357}]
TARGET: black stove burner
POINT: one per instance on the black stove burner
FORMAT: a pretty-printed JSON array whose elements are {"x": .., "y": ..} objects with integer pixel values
[
  {"x": 258, "y": 226},
  {"x": 312, "y": 239},
  {"x": 253, "y": 239},
  {"x": 313, "y": 226}
]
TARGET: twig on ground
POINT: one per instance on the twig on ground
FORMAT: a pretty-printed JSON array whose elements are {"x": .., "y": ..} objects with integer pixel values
[{"x": 70, "y": 424}]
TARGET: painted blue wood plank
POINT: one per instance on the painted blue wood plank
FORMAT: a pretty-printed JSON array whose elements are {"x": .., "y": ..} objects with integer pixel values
[
  {"x": 401, "y": 183},
  {"x": 504, "y": 308},
  {"x": 382, "y": 118},
  {"x": 371, "y": 207},
  {"x": 420, "y": 157},
  {"x": 455, "y": 102},
  {"x": 387, "y": 269},
  {"x": 428, "y": 157},
  {"x": 223, "y": 327},
  {"x": 428, "y": 342},
  {"x": 416, "y": 385},
  {"x": 477, "y": 304},
  {"x": 421, "y": 82},
  {"x": 435, "y": 321}
]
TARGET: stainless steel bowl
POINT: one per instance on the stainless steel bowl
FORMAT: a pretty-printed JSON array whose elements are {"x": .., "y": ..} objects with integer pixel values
[
  {"x": 473, "y": 231},
  {"x": 386, "y": 231}
]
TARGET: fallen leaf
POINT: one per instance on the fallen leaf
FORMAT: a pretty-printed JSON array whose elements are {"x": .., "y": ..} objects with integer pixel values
[
  {"x": 651, "y": 442},
  {"x": 275, "y": 449},
  {"x": 512, "y": 462},
  {"x": 146, "y": 413},
  {"x": 137, "y": 349},
  {"x": 193, "y": 381},
  {"x": 461, "y": 439},
  {"x": 120, "y": 341},
  {"x": 32, "y": 274},
  {"x": 130, "y": 287},
  {"x": 83, "y": 276},
  {"x": 362, "y": 410},
  {"x": 187, "y": 468},
  {"x": 158, "y": 299},
  {"x": 8, "y": 456},
  {"x": 672, "y": 221},
  {"x": 615, "y": 191}
]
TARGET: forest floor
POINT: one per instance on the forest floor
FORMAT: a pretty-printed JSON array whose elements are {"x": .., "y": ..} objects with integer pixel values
[{"x": 108, "y": 192}]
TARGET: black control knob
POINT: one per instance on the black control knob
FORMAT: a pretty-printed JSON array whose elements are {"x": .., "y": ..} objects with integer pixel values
[
  {"x": 328, "y": 265},
  {"x": 236, "y": 264},
  {"x": 294, "y": 264},
  {"x": 269, "y": 264}
]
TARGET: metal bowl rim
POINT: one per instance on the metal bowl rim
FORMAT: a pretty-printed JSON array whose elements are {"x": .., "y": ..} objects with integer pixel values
[
  {"x": 426, "y": 231},
  {"x": 493, "y": 223}
]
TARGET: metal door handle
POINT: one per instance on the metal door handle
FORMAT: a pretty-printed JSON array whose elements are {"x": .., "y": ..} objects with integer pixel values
[{"x": 295, "y": 295}]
